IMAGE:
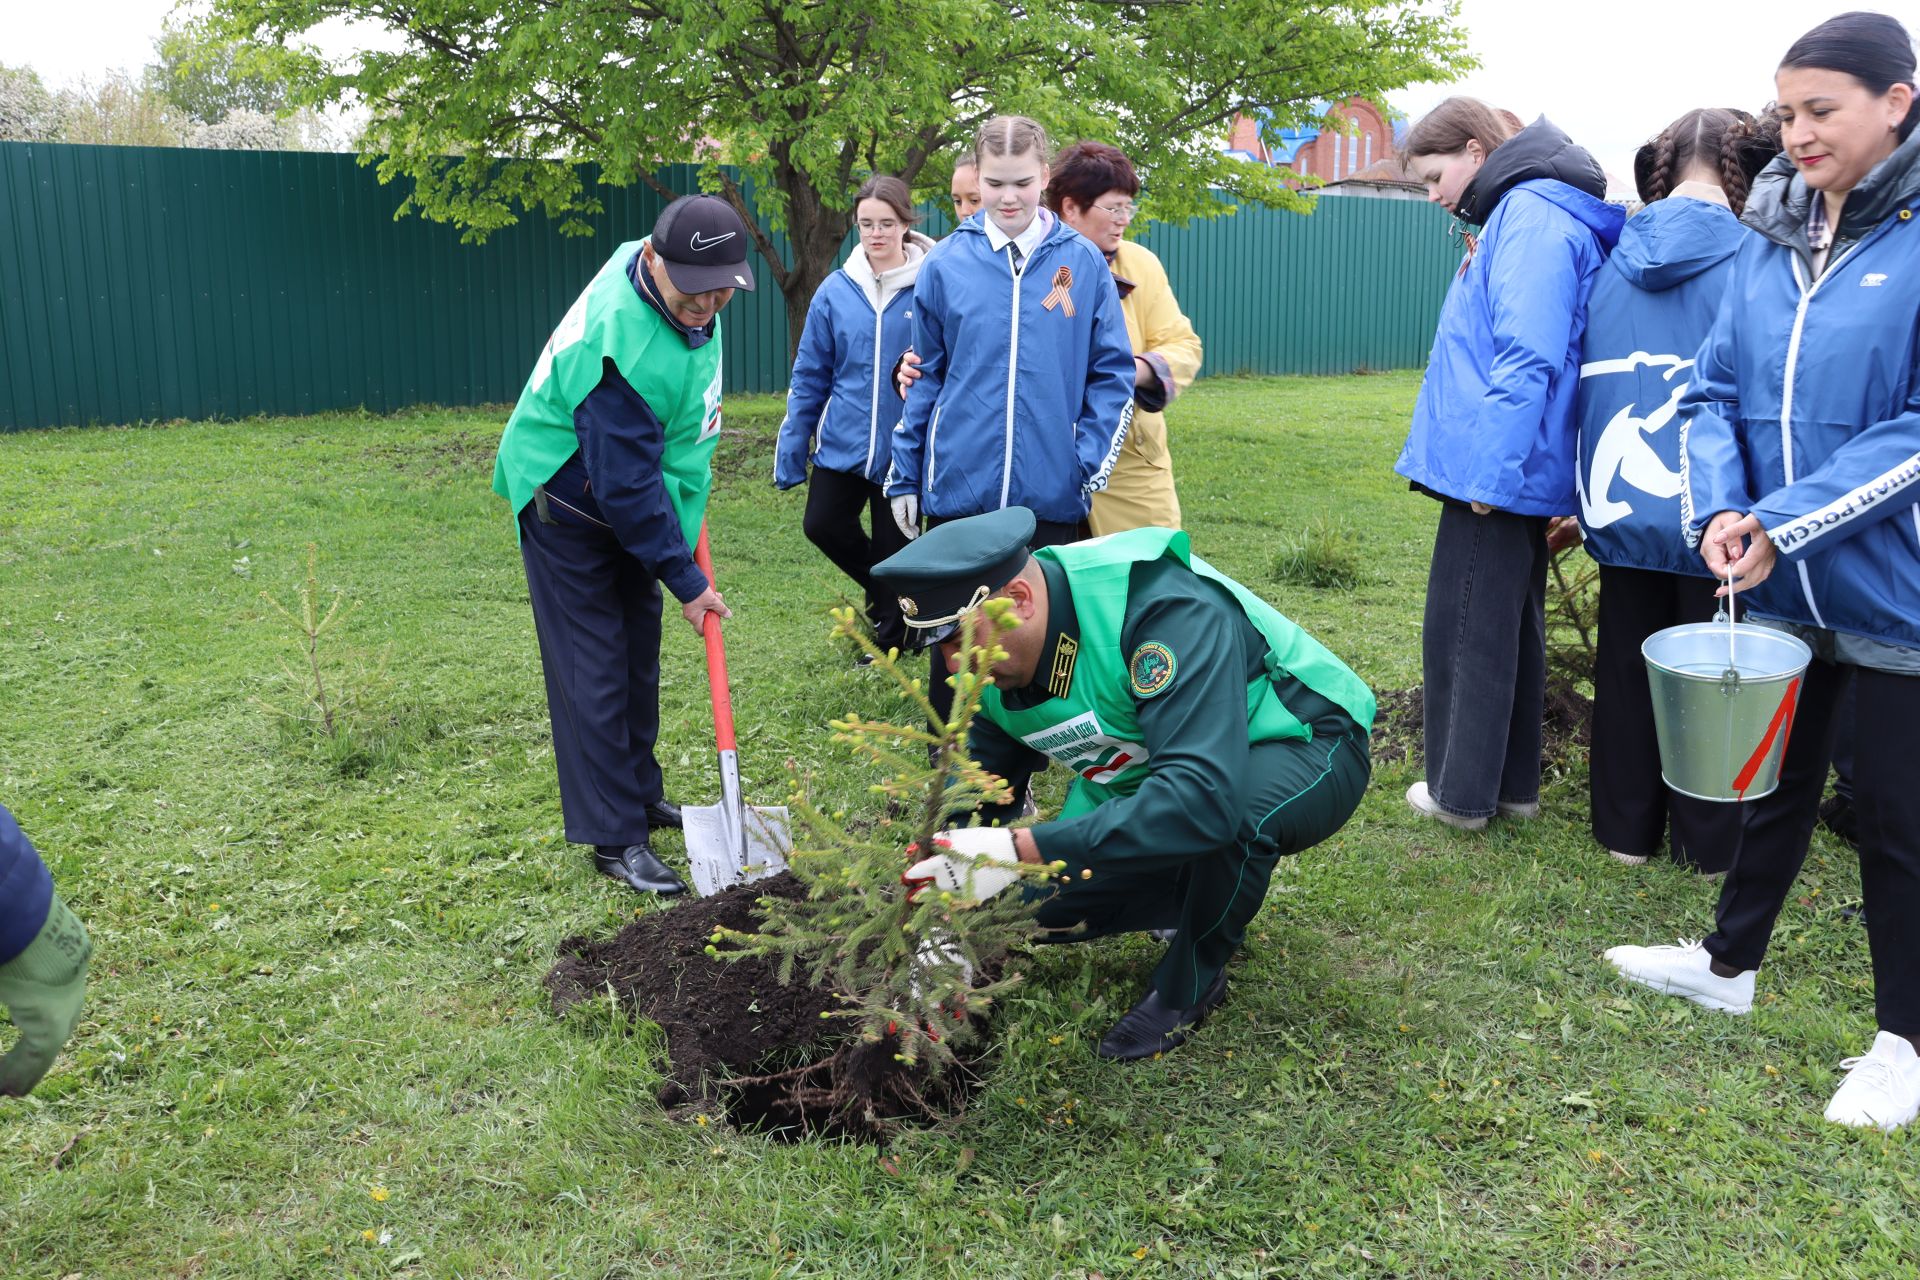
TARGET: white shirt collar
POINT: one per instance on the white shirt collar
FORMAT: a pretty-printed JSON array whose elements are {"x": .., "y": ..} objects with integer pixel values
[
  {"x": 1701, "y": 191},
  {"x": 1028, "y": 240}
]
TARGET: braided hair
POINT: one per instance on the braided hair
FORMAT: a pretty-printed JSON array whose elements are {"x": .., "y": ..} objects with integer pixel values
[{"x": 1732, "y": 143}]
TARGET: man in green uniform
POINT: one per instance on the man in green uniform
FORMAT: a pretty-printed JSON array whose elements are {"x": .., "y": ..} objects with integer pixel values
[{"x": 1209, "y": 737}]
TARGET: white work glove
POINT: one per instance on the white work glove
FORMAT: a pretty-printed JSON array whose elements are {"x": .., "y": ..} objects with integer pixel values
[
  {"x": 975, "y": 862},
  {"x": 906, "y": 514}
]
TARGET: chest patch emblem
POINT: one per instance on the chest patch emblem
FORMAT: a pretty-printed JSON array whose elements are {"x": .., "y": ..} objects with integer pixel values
[
  {"x": 1151, "y": 669},
  {"x": 1060, "y": 296},
  {"x": 1081, "y": 745}
]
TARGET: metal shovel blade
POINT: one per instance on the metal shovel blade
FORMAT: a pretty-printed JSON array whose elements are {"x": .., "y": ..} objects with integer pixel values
[{"x": 732, "y": 842}]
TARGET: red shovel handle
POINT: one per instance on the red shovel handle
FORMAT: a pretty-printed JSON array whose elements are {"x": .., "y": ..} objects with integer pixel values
[{"x": 716, "y": 654}]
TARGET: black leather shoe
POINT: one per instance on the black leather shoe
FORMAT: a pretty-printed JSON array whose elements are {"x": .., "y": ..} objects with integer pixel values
[
  {"x": 637, "y": 868},
  {"x": 662, "y": 813},
  {"x": 1154, "y": 1026}
]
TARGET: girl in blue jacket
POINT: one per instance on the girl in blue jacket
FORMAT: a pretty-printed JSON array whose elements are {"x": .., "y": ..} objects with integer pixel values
[
  {"x": 1650, "y": 309},
  {"x": 840, "y": 411},
  {"x": 1025, "y": 386},
  {"x": 1802, "y": 468},
  {"x": 1492, "y": 439},
  {"x": 1026, "y": 377}
]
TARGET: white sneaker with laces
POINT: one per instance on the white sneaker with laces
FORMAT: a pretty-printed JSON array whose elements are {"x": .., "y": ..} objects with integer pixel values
[
  {"x": 1685, "y": 970},
  {"x": 1882, "y": 1088},
  {"x": 1423, "y": 803}
]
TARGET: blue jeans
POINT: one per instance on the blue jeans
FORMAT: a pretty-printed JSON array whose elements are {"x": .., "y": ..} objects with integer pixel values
[{"x": 1483, "y": 648}]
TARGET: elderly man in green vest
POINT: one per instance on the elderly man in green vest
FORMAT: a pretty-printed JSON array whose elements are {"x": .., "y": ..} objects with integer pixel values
[
  {"x": 607, "y": 462},
  {"x": 1209, "y": 736}
]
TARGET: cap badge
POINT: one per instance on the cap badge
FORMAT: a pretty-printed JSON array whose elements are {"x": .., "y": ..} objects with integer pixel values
[
  {"x": 699, "y": 243},
  {"x": 1060, "y": 295},
  {"x": 908, "y": 607}
]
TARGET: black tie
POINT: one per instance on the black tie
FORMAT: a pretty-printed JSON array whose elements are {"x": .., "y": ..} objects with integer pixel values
[{"x": 1014, "y": 256}]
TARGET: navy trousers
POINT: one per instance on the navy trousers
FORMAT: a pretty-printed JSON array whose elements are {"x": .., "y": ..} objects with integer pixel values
[{"x": 597, "y": 613}]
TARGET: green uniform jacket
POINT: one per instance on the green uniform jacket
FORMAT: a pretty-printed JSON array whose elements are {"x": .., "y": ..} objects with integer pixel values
[
  {"x": 1157, "y": 675},
  {"x": 609, "y": 320}
]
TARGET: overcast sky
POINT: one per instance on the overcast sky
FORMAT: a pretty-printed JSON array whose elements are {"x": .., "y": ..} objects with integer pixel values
[{"x": 1610, "y": 73}]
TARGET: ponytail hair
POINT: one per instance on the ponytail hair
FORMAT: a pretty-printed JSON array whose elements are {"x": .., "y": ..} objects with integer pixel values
[
  {"x": 1011, "y": 136},
  {"x": 1871, "y": 47},
  {"x": 1449, "y": 127},
  {"x": 1734, "y": 144}
]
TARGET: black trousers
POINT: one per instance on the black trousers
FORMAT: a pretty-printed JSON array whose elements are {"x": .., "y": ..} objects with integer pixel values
[
  {"x": 597, "y": 614},
  {"x": 1887, "y": 802},
  {"x": 1633, "y": 811},
  {"x": 835, "y": 500},
  {"x": 1843, "y": 746},
  {"x": 1483, "y": 651},
  {"x": 1046, "y": 533}
]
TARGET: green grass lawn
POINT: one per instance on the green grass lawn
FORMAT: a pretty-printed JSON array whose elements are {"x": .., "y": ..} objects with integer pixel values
[{"x": 317, "y": 1043}]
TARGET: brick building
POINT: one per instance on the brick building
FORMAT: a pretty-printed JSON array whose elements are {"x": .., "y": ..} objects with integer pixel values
[{"x": 1359, "y": 138}]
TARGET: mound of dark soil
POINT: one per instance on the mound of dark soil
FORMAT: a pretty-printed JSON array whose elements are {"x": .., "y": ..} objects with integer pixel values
[
  {"x": 1401, "y": 720},
  {"x": 741, "y": 1043}
]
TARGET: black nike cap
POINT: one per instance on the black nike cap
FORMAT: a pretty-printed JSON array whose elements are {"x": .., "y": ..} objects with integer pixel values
[{"x": 704, "y": 244}]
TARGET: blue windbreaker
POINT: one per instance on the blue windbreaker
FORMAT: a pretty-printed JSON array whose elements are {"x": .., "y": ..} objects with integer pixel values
[
  {"x": 26, "y": 889},
  {"x": 1805, "y": 404},
  {"x": 1494, "y": 421},
  {"x": 1026, "y": 386},
  {"x": 1650, "y": 310},
  {"x": 841, "y": 408}
]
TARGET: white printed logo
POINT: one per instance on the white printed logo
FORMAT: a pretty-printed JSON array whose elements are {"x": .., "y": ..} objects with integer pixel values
[
  {"x": 698, "y": 246},
  {"x": 710, "y": 422},
  {"x": 1080, "y": 745},
  {"x": 1623, "y": 451},
  {"x": 1873, "y": 280}
]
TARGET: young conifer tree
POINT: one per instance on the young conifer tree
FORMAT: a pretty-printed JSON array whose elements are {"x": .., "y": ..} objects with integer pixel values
[{"x": 908, "y": 972}]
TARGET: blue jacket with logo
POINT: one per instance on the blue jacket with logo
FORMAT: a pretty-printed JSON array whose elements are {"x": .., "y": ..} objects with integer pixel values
[
  {"x": 1805, "y": 404},
  {"x": 1650, "y": 310},
  {"x": 1494, "y": 421},
  {"x": 26, "y": 889},
  {"x": 1026, "y": 386},
  {"x": 841, "y": 406}
]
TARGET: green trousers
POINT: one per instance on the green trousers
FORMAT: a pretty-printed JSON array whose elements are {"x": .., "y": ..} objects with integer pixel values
[{"x": 1303, "y": 792}]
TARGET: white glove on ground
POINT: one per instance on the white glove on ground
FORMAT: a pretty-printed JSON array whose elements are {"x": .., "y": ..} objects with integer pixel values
[
  {"x": 967, "y": 863},
  {"x": 906, "y": 514}
]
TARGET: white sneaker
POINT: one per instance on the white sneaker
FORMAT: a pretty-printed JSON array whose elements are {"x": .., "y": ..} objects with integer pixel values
[
  {"x": 1424, "y": 804},
  {"x": 1685, "y": 970},
  {"x": 1526, "y": 811},
  {"x": 1630, "y": 859},
  {"x": 1882, "y": 1089}
]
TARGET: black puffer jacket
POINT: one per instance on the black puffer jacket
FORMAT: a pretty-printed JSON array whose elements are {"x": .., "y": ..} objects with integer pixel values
[{"x": 1541, "y": 150}]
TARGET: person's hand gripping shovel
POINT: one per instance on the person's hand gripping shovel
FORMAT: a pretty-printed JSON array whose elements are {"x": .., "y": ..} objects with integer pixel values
[{"x": 733, "y": 841}]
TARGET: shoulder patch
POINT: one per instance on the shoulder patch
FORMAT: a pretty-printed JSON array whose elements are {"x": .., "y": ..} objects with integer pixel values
[{"x": 1151, "y": 669}]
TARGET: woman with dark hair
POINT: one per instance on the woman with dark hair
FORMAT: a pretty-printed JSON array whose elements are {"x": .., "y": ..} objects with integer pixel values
[
  {"x": 1093, "y": 188},
  {"x": 1492, "y": 439},
  {"x": 1650, "y": 309},
  {"x": 840, "y": 413},
  {"x": 1801, "y": 479}
]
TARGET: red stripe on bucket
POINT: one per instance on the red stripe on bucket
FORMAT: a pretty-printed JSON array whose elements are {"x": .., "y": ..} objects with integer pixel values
[{"x": 1781, "y": 725}]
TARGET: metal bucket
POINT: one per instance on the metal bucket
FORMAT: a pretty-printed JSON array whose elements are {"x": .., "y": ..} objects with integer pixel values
[{"x": 1722, "y": 737}]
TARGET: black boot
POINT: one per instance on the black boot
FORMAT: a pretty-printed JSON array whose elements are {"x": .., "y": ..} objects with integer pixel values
[
  {"x": 662, "y": 813},
  {"x": 1154, "y": 1026},
  {"x": 635, "y": 866}
]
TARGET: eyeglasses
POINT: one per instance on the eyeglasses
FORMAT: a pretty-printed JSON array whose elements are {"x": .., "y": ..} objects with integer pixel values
[
  {"x": 1124, "y": 211},
  {"x": 883, "y": 226}
]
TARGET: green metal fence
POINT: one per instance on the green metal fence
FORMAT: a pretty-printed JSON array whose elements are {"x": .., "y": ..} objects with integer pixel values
[{"x": 142, "y": 283}]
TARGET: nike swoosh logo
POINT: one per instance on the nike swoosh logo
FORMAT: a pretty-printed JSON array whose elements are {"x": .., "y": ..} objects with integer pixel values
[{"x": 698, "y": 244}]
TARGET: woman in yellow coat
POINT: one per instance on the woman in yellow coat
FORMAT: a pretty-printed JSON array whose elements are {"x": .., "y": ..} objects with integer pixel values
[{"x": 1092, "y": 188}]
